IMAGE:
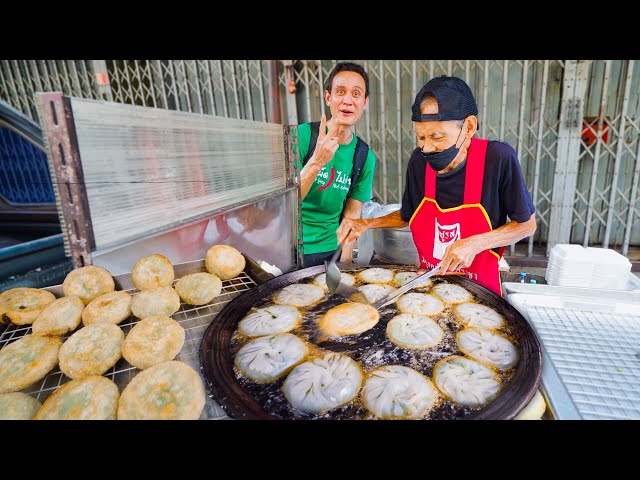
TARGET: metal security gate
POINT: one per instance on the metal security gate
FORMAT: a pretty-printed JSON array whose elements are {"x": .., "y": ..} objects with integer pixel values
[
  {"x": 518, "y": 102},
  {"x": 565, "y": 120},
  {"x": 605, "y": 210}
]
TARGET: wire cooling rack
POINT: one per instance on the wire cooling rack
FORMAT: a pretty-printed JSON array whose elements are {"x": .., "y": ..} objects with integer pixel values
[{"x": 194, "y": 320}]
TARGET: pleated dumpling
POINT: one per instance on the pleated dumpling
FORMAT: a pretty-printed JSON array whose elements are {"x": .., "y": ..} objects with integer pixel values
[
  {"x": 345, "y": 278},
  {"x": 419, "y": 304},
  {"x": 487, "y": 347},
  {"x": 323, "y": 383},
  {"x": 376, "y": 275},
  {"x": 414, "y": 331},
  {"x": 405, "y": 277},
  {"x": 394, "y": 391},
  {"x": 349, "y": 319},
  {"x": 452, "y": 293},
  {"x": 466, "y": 381},
  {"x": 373, "y": 292},
  {"x": 477, "y": 315},
  {"x": 267, "y": 358},
  {"x": 270, "y": 320},
  {"x": 299, "y": 295}
]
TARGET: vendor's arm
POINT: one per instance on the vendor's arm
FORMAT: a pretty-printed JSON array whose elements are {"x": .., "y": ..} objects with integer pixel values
[
  {"x": 326, "y": 147},
  {"x": 352, "y": 210},
  {"x": 461, "y": 253},
  {"x": 351, "y": 228}
]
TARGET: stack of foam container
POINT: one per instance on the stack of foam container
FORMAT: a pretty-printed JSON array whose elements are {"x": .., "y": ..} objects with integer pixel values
[{"x": 576, "y": 266}]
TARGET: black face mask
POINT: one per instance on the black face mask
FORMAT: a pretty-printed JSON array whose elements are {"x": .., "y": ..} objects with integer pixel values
[{"x": 440, "y": 160}]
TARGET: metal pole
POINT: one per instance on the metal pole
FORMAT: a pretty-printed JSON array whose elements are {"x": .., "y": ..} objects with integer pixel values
[
  {"x": 383, "y": 130},
  {"x": 536, "y": 178},
  {"x": 212, "y": 104},
  {"x": 235, "y": 87},
  {"x": 198, "y": 87},
  {"x": 414, "y": 89},
  {"x": 523, "y": 90},
  {"x": 505, "y": 80},
  {"x": 152, "y": 87},
  {"x": 307, "y": 89},
  {"x": 224, "y": 90},
  {"x": 596, "y": 156},
  {"x": 620, "y": 145},
  {"x": 321, "y": 87},
  {"x": 248, "y": 90},
  {"x": 275, "y": 113},
  {"x": 292, "y": 107},
  {"x": 399, "y": 139},
  {"x": 66, "y": 169},
  {"x": 632, "y": 203},
  {"x": 263, "y": 106},
  {"x": 485, "y": 93}
]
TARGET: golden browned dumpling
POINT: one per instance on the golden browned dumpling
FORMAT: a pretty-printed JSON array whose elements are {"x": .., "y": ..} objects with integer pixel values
[
  {"x": 478, "y": 315},
  {"x": 153, "y": 340},
  {"x": 376, "y": 275},
  {"x": 88, "y": 283},
  {"x": 487, "y": 347},
  {"x": 155, "y": 301},
  {"x": 269, "y": 320},
  {"x": 419, "y": 304},
  {"x": 167, "y": 391},
  {"x": 18, "y": 406},
  {"x": 90, "y": 398},
  {"x": 59, "y": 317},
  {"x": 397, "y": 392},
  {"x": 267, "y": 358},
  {"x": 26, "y": 361},
  {"x": 111, "y": 307},
  {"x": 452, "y": 293},
  {"x": 299, "y": 295},
  {"x": 152, "y": 271},
  {"x": 224, "y": 261},
  {"x": 322, "y": 384},
  {"x": 408, "y": 330},
  {"x": 348, "y": 319},
  {"x": 92, "y": 350},
  {"x": 347, "y": 279},
  {"x": 198, "y": 288},
  {"x": 405, "y": 277},
  {"x": 23, "y": 305},
  {"x": 466, "y": 381}
]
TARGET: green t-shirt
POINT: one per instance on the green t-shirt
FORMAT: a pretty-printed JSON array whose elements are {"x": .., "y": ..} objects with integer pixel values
[{"x": 323, "y": 205}]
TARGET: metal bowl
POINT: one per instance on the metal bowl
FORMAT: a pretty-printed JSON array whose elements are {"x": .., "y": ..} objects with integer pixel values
[{"x": 395, "y": 245}]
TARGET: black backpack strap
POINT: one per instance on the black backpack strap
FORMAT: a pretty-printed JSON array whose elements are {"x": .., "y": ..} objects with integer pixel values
[
  {"x": 315, "y": 130},
  {"x": 359, "y": 159}
]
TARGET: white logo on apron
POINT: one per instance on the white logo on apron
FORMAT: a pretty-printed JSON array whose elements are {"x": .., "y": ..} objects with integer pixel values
[{"x": 444, "y": 236}]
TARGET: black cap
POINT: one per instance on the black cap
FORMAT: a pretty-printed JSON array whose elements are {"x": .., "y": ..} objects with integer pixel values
[{"x": 454, "y": 97}]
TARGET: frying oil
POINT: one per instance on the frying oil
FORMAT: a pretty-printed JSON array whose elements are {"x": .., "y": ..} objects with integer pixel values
[{"x": 370, "y": 349}]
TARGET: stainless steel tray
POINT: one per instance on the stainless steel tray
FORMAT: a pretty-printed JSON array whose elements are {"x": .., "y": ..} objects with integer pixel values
[
  {"x": 194, "y": 320},
  {"x": 590, "y": 349}
]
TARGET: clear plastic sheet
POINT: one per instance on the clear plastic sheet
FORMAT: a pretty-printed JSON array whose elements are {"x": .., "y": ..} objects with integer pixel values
[{"x": 148, "y": 169}]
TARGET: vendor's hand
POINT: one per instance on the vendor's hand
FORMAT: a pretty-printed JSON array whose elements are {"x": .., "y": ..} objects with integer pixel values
[
  {"x": 350, "y": 229},
  {"x": 327, "y": 143},
  {"x": 346, "y": 256},
  {"x": 460, "y": 254}
]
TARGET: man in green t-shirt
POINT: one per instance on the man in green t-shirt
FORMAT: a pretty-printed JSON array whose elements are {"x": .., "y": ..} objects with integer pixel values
[{"x": 326, "y": 176}]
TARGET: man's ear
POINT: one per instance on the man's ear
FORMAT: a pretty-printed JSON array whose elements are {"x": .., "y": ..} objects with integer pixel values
[
  {"x": 327, "y": 96},
  {"x": 471, "y": 125}
]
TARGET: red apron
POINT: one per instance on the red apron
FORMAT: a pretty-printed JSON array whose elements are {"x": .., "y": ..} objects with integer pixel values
[{"x": 434, "y": 229}]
